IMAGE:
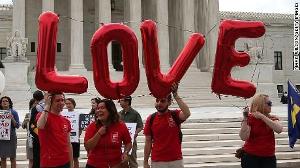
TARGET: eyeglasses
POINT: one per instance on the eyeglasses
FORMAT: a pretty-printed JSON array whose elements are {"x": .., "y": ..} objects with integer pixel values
[{"x": 269, "y": 103}]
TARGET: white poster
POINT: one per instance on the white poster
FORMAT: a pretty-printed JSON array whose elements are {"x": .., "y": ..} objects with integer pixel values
[
  {"x": 5, "y": 125},
  {"x": 131, "y": 128},
  {"x": 73, "y": 117}
]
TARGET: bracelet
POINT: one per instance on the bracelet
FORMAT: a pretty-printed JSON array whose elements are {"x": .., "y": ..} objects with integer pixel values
[
  {"x": 46, "y": 111},
  {"x": 99, "y": 133}
]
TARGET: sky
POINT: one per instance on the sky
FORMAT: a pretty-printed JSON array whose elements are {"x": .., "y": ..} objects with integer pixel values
[{"x": 264, "y": 6}]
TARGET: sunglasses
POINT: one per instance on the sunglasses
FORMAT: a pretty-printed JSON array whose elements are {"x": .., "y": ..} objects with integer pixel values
[{"x": 269, "y": 103}]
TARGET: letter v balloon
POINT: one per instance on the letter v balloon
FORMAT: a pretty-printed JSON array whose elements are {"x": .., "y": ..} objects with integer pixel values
[{"x": 160, "y": 84}]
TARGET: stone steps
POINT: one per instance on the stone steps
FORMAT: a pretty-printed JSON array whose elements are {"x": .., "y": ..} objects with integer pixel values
[
  {"x": 209, "y": 143},
  {"x": 293, "y": 163},
  {"x": 194, "y": 88}
]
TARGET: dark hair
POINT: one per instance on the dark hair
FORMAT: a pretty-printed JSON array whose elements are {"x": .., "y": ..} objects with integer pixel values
[
  {"x": 72, "y": 101},
  {"x": 38, "y": 95},
  {"x": 31, "y": 103},
  {"x": 9, "y": 101},
  {"x": 54, "y": 94},
  {"x": 128, "y": 99},
  {"x": 97, "y": 100},
  {"x": 113, "y": 116},
  {"x": 169, "y": 97}
]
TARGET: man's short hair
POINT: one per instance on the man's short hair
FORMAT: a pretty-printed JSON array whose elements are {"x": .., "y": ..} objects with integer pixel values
[
  {"x": 38, "y": 95},
  {"x": 128, "y": 99}
]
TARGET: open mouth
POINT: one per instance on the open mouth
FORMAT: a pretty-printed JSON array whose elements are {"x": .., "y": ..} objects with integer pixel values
[{"x": 101, "y": 115}]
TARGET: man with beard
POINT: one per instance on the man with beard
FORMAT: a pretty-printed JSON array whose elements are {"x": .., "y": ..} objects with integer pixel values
[
  {"x": 129, "y": 115},
  {"x": 163, "y": 134}
]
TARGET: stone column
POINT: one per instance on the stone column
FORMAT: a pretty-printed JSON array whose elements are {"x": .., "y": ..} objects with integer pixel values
[
  {"x": 201, "y": 19},
  {"x": 77, "y": 36},
  {"x": 188, "y": 24},
  {"x": 48, "y": 5},
  {"x": 19, "y": 17},
  {"x": 133, "y": 13},
  {"x": 213, "y": 27},
  {"x": 163, "y": 33},
  {"x": 207, "y": 22},
  {"x": 104, "y": 16}
]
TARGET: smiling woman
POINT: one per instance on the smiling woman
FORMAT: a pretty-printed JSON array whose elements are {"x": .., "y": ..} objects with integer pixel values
[{"x": 104, "y": 137}]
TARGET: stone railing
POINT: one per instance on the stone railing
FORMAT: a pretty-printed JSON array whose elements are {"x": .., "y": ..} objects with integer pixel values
[
  {"x": 6, "y": 7},
  {"x": 277, "y": 18}
]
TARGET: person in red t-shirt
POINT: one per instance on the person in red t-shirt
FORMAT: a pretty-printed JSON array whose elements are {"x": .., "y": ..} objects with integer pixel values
[
  {"x": 162, "y": 134},
  {"x": 103, "y": 138},
  {"x": 54, "y": 134},
  {"x": 257, "y": 130}
]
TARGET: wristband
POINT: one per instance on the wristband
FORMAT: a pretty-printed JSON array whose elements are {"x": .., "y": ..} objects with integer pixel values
[
  {"x": 98, "y": 133},
  {"x": 46, "y": 111}
]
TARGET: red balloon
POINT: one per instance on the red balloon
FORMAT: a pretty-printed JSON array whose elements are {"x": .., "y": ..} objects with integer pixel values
[
  {"x": 46, "y": 77},
  {"x": 227, "y": 57},
  {"x": 158, "y": 83},
  {"x": 131, "y": 77}
]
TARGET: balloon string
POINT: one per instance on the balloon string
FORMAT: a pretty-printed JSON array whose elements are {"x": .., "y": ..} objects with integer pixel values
[
  {"x": 181, "y": 29},
  {"x": 130, "y": 21}
]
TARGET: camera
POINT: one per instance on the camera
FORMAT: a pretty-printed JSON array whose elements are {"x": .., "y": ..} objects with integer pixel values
[{"x": 246, "y": 112}]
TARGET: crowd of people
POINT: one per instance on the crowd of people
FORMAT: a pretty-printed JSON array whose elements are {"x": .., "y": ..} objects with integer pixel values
[{"x": 53, "y": 137}]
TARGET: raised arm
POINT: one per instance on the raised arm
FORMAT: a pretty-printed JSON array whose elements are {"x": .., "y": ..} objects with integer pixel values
[
  {"x": 274, "y": 125},
  {"x": 185, "y": 111},
  {"x": 43, "y": 118},
  {"x": 245, "y": 128},
  {"x": 91, "y": 143}
]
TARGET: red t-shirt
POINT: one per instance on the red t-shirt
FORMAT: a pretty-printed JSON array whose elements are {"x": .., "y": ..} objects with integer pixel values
[
  {"x": 54, "y": 141},
  {"x": 166, "y": 142},
  {"x": 261, "y": 141},
  {"x": 107, "y": 152}
]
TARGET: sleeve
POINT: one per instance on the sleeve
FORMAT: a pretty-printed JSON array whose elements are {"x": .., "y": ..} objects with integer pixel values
[
  {"x": 38, "y": 115},
  {"x": 25, "y": 121},
  {"x": 69, "y": 125},
  {"x": 139, "y": 121},
  {"x": 147, "y": 131},
  {"x": 177, "y": 115},
  {"x": 126, "y": 135},
  {"x": 89, "y": 132},
  {"x": 16, "y": 117},
  {"x": 32, "y": 123}
]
